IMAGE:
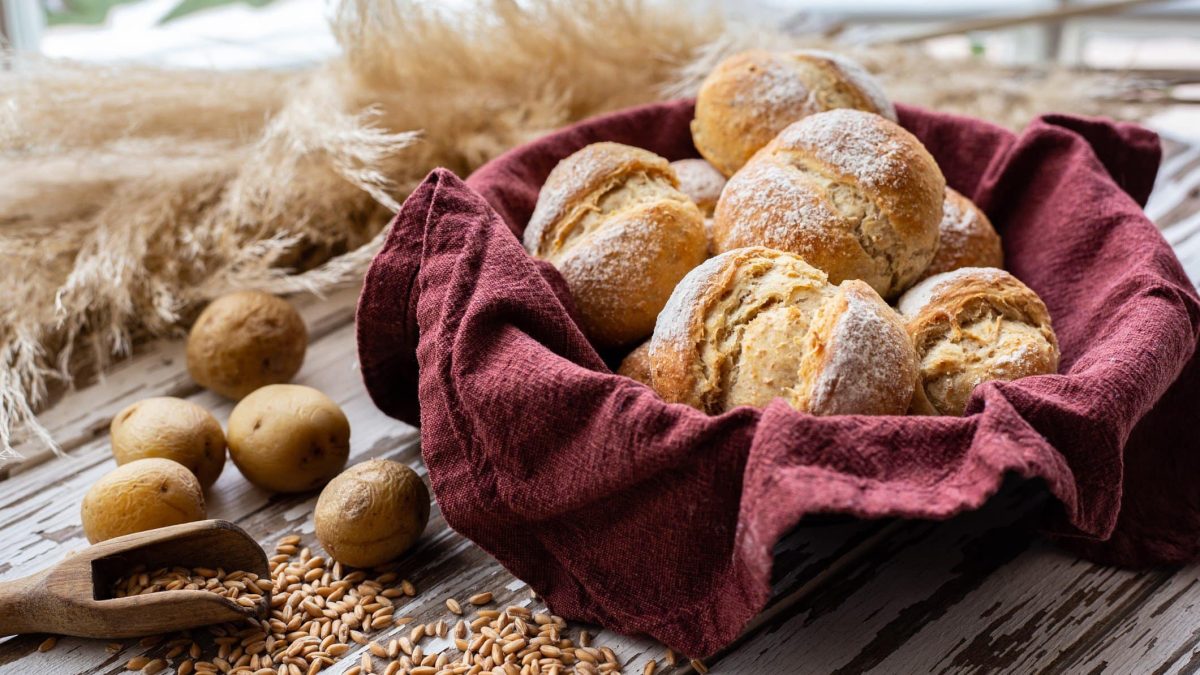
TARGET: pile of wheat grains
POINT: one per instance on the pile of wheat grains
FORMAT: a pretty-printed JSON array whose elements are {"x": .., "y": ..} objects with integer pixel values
[{"x": 319, "y": 612}]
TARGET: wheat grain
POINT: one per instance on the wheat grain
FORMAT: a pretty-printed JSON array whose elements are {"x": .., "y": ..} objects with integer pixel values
[{"x": 318, "y": 611}]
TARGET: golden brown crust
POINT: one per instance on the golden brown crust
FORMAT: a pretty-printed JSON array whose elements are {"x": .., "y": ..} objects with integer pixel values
[
  {"x": 756, "y": 324},
  {"x": 858, "y": 358},
  {"x": 850, "y": 192},
  {"x": 636, "y": 365},
  {"x": 612, "y": 221},
  {"x": 701, "y": 182},
  {"x": 577, "y": 182},
  {"x": 973, "y": 325},
  {"x": 966, "y": 238},
  {"x": 750, "y": 97},
  {"x": 677, "y": 366}
]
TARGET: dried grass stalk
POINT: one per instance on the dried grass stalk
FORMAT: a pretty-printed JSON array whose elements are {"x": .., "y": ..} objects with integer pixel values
[{"x": 133, "y": 195}]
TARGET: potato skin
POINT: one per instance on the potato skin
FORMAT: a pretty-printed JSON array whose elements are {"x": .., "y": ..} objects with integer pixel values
[
  {"x": 142, "y": 495},
  {"x": 245, "y": 340},
  {"x": 174, "y": 429},
  {"x": 371, "y": 513},
  {"x": 288, "y": 438}
]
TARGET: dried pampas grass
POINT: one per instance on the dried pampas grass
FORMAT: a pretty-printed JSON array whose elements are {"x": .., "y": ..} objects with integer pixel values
[{"x": 133, "y": 195}]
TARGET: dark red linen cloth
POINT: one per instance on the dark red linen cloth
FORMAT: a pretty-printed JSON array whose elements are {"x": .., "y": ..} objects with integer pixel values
[{"x": 653, "y": 518}]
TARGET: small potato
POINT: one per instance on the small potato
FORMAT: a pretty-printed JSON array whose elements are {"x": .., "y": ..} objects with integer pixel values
[
  {"x": 171, "y": 428},
  {"x": 288, "y": 438},
  {"x": 371, "y": 513},
  {"x": 142, "y": 495},
  {"x": 243, "y": 341}
]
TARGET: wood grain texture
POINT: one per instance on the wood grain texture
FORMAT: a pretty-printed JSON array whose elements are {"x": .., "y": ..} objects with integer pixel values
[{"x": 1161, "y": 634}]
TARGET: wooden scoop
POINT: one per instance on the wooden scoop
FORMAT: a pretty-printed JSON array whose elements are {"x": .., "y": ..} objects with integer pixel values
[{"x": 74, "y": 597}]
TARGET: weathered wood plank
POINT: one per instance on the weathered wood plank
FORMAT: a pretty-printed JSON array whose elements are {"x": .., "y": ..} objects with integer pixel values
[{"x": 1161, "y": 634}]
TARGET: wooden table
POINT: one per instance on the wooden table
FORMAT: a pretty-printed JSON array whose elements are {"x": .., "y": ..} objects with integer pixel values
[{"x": 978, "y": 593}]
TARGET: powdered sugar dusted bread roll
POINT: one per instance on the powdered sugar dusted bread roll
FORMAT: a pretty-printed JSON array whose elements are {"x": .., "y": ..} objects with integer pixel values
[
  {"x": 701, "y": 182},
  {"x": 754, "y": 324},
  {"x": 613, "y": 222},
  {"x": 636, "y": 364},
  {"x": 850, "y": 192},
  {"x": 973, "y": 325},
  {"x": 966, "y": 237},
  {"x": 750, "y": 97}
]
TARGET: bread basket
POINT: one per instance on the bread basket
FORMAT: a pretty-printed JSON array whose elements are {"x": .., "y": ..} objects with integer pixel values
[{"x": 654, "y": 518}]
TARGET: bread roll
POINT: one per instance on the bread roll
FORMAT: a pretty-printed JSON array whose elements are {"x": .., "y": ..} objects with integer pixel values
[
  {"x": 754, "y": 324},
  {"x": 611, "y": 219},
  {"x": 750, "y": 97},
  {"x": 970, "y": 326},
  {"x": 966, "y": 238},
  {"x": 701, "y": 182},
  {"x": 636, "y": 364},
  {"x": 850, "y": 192}
]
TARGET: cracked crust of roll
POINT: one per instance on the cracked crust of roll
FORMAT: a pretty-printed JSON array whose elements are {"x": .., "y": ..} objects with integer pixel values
[
  {"x": 852, "y": 193},
  {"x": 974, "y": 325},
  {"x": 612, "y": 221},
  {"x": 755, "y": 324},
  {"x": 858, "y": 357},
  {"x": 636, "y": 365},
  {"x": 966, "y": 238},
  {"x": 752, "y": 96}
]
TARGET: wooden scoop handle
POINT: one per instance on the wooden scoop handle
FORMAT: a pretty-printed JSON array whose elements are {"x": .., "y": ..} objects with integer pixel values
[{"x": 23, "y": 606}]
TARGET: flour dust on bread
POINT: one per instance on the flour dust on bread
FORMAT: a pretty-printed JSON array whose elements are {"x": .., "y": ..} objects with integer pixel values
[
  {"x": 752, "y": 96},
  {"x": 966, "y": 237},
  {"x": 850, "y": 192},
  {"x": 701, "y": 182},
  {"x": 611, "y": 219},
  {"x": 755, "y": 324},
  {"x": 974, "y": 325}
]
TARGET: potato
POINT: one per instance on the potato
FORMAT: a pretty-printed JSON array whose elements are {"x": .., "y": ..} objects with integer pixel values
[
  {"x": 142, "y": 495},
  {"x": 171, "y": 428},
  {"x": 243, "y": 341},
  {"x": 371, "y": 513},
  {"x": 288, "y": 438}
]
